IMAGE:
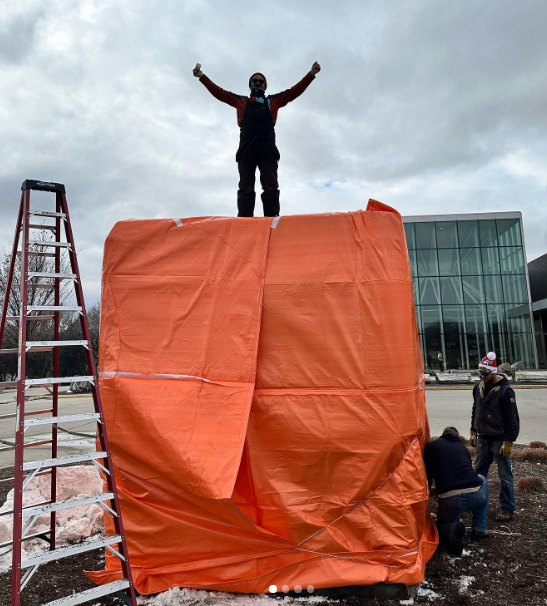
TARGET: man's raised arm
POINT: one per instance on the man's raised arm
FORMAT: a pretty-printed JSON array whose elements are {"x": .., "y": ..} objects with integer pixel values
[
  {"x": 216, "y": 91},
  {"x": 281, "y": 99}
]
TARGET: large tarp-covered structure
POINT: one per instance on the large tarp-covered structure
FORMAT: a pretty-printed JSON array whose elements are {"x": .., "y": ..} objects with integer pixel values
[{"x": 264, "y": 399}]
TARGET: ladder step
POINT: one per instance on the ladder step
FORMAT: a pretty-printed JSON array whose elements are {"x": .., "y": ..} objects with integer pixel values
[
  {"x": 45, "y": 213},
  {"x": 55, "y": 380},
  {"x": 90, "y": 456},
  {"x": 65, "y": 552},
  {"x": 11, "y": 415},
  {"x": 33, "y": 253},
  {"x": 34, "y": 344},
  {"x": 31, "y": 308},
  {"x": 36, "y": 535},
  {"x": 45, "y": 274},
  {"x": 88, "y": 416},
  {"x": 50, "y": 243},
  {"x": 41, "y": 226},
  {"x": 91, "y": 594},
  {"x": 35, "y": 285},
  {"x": 34, "y": 318},
  {"x": 12, "y": 350},
  {"x": 48, "y": 508}
]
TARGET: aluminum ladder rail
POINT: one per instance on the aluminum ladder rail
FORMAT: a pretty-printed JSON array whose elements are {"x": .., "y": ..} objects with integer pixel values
[{"x": 25, "y": 517}]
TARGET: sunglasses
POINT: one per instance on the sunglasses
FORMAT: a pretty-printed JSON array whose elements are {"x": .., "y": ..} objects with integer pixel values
[
  {"x": 257, "y": 81},
  {"x": 484, "y": 373}
]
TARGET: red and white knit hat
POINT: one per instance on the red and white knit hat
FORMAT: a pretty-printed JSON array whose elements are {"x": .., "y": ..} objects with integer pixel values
[{"x": 489, "y": 362}]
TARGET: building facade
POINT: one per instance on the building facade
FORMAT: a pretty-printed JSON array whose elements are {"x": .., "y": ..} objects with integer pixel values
[
  {"x": 537, "y": 270},
  {"x": 471, "y": 289}
]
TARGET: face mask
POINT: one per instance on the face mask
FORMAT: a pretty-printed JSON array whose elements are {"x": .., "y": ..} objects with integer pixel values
[{"x": 256, "y": 91}]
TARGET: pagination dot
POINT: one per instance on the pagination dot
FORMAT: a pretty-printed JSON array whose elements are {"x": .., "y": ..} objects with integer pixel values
[
  {"x": 273, "y": 588},
  {"x": 297, "y": 588},
  {"x": 310, "y": 588},
  {"x": 285, "y": 589}
]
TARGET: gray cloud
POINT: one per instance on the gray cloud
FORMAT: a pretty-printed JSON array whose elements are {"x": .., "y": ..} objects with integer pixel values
[{"x": 426, "y": 106}]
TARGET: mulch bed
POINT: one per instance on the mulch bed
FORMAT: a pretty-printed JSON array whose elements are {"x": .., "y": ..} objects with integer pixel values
[{"x": 502, "y": 569}]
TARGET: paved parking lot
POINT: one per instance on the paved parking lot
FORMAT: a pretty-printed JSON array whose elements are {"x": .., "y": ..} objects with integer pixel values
[{"x": 444, "y": 407}]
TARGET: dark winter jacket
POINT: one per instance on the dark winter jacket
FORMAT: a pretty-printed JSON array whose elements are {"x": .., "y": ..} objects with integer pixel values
[
  {"x": 448, "y": 464},
  {"x": 257, "y": 117},
  {"x": 495, "y": 413}
]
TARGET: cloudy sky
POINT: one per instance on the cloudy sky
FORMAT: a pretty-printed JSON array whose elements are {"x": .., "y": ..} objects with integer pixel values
[{"x": 428, "y": 106}]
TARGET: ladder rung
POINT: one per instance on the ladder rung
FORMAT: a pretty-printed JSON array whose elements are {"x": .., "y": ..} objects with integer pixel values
[
  {"x": 45, "y": 274},
  {"x": 31, "y": 308},
  {"x": 35, "y": 344},
  {"x": 50, "y": 243},
  {"x": 34, "y": 253},
  {"x": 28, "y": 445},
  {"x": 63, "y": 419},
  {"x": 91, "y": 594},
  {"x": 64, "y": 552},
  {"x": 55, "y": 380},
  {"x": 34, "y": 318},
  {"x": 42, "y": 226},
  {"x": 12, "y": 350},
  {"x": 48, "y": 508},
  {"x": 45, "y": 213},
  {"x": 27, "y": 414},
  {"x": 90, "y": 456},
  {"x": 12, "y": 318}
]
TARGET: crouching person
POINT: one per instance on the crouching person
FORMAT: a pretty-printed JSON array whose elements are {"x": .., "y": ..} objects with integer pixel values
[{"x": 459, "y": 488}]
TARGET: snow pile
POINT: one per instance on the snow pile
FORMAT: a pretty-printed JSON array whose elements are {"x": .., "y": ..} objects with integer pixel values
[
  {"x": 201, "y": 597},
  {"x": 425, "y": 591},
  {"x": 72, "y": 525},
  {"x": 464, "y": 583}
]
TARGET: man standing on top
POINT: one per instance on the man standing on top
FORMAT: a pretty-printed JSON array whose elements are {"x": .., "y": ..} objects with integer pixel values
[
  {"x": 256, "y": 117},
  {"x": 495, "y": 426}
]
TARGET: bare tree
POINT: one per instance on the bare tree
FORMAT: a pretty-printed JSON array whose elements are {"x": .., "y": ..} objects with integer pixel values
[{"x": 41, "y": 292}]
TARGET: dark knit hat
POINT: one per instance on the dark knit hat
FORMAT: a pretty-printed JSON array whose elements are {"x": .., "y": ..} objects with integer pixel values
[{"x": 259, "y": 74}]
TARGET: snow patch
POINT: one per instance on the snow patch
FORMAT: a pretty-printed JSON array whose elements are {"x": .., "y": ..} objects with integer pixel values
[
  {"x": 428, "y": 594},
  {"x": 71, "y": 525},
  {"x": 201, "y": 597},
  {"x": 464, "y": 582}
]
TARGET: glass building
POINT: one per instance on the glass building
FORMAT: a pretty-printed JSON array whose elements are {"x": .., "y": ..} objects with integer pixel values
[{"x": 471, "y": 288}]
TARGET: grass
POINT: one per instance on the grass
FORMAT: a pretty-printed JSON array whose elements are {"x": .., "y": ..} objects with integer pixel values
[{"x": 532, "y": 455}]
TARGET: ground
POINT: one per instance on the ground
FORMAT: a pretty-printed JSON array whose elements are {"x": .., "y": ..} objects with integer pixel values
[{"x": 507, "y": 568}]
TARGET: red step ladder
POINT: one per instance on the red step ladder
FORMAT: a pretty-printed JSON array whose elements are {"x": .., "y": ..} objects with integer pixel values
[{"x": 25, "y": 517}]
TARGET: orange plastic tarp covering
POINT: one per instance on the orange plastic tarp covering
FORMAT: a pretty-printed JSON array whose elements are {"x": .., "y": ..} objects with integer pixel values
[{"x": 263, "y": 393}]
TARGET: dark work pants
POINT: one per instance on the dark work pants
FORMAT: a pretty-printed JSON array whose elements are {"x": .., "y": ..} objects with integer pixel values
[{"x": 246, "y": 192}]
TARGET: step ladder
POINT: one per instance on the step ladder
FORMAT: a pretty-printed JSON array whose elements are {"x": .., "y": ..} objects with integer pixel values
[{"x": 30, "y": 234}]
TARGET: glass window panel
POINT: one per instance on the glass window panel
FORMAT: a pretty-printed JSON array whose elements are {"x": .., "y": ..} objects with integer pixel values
[
  {"x": 410, "y": 235},
  {"x": 455, "y": 348},
  {"x": 518, "y": 318},
  {"x": 488, "y": 233},
  {"x": 449, "y": 262},
  {"x": 430, "y": 291},
  {"x": 542, "y": 358},
  {"x": 431, "y": 318},
  {"x": 473, "y": 290},
  {"x": 419, "y": 319},
  {"x": 415, "y": 290},
  {"x": 490, "y": 260},
  {"x": 468, "y": 232},
  {"x": 427, "y": 263},
  {"x": 451, "y": 290},
  {"x": 512, "y": 260},
  {"x": 425, "y": 235},
  {"x": 493, "y": 289},
  {"x": 475, "y": 319},
  {"x": 496, "y": 318},
  {"x": 509, "y": 232},
  {"x": 413, "y": 265},
  {"x": 498, "y": 342},
  {"x": 432, "y": 345},
  {"x": 515, "y": 289},
  {"x": 477, "y": 348},
  {"x": 521, "y": 349},
  {"x": 471, "y": 261},
  {"x": 453, "y": 318},
  {"x": 447, "y": 234}
]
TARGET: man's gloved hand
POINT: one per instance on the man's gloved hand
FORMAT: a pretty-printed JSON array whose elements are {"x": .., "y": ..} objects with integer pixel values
[
  {"x": 473, "y": 439},
  {"x": 197, "y": 71},
  {"x": 505, "y": 450},
  {"x": 315, "y": 68}
]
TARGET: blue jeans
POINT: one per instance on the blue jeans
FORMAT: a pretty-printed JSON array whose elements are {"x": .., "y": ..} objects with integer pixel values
[
  {"x": 487, "y": 451},
  {"x": 449, "y": 510}
]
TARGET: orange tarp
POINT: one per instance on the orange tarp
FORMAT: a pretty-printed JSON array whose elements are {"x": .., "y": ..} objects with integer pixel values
[{"x": 264, "y": 399}]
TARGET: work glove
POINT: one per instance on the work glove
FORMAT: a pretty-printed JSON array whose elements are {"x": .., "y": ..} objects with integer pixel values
[
  {"x": 505, "y": 450},
  {"x": 473, "y": 439}
]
